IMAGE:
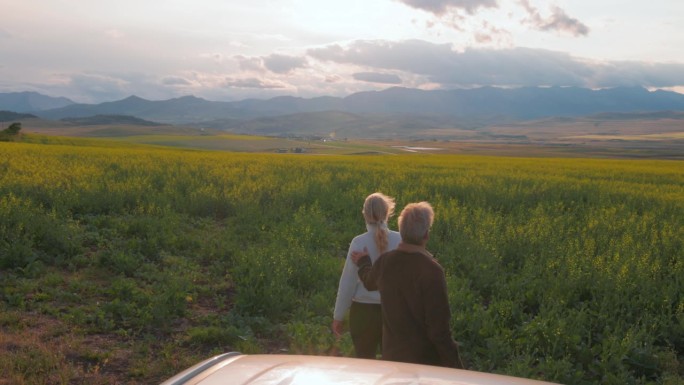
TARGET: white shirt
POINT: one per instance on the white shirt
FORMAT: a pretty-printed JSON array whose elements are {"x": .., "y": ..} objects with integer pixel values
[{"x": 351, "y": 288}]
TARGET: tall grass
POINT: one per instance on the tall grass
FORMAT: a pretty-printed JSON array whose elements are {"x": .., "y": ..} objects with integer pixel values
[{"x": 564, "y": 270}]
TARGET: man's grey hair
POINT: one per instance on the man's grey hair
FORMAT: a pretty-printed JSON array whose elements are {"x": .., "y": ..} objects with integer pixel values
[{"x": 415, "y": 222}]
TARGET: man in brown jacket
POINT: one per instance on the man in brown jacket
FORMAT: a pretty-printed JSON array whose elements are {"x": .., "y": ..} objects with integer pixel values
[{"x": 413, "y": 295}]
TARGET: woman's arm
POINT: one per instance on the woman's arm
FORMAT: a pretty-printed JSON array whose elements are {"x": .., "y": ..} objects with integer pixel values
[{"x": 345, "y": 292}]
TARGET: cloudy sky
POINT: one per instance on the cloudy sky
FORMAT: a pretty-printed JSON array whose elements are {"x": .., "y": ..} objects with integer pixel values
[{"x": 104, "y": 50}]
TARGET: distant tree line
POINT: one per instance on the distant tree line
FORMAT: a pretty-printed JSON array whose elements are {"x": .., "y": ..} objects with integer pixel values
[{"x": 11, "y": 132}]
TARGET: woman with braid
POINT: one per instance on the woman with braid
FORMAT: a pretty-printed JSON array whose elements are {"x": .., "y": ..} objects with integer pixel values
[{"x": 365, "y": 317}]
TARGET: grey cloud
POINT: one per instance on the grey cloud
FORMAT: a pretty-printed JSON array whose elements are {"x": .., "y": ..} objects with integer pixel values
[
  {"x": 512, "y": 67},
  {"x": 282, "y": 64},
  {"x": 99, "y": 86},
  {"x": 483, "y": 38},
  {"x": 439, "y": 63},
  {"x": 491, "y": 34},
  {"x": 656, "y": 75},
  {"x": 441, "y": 7},
  {"x": 4, "y": 34},
  {"x": 251, "y": 83},
  {"x": 558, "y": 21},
  {"x": 415, "y": 56},
  {"x": 175, "y": 81},
  {"x": 375, "y": 77},
  {"x": 332, "y": 78},
  {"x": 250, "y": 63}
]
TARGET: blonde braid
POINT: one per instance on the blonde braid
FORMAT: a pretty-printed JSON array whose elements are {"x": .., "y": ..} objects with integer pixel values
[
  {"x": 377, "y": 209},
  {"x": 381, "y": 238}
]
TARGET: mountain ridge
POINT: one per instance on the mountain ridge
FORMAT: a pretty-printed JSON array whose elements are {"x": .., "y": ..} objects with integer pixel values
[
  {"x": 30, "y": 102},
  {"x": 395, "y": 110}
]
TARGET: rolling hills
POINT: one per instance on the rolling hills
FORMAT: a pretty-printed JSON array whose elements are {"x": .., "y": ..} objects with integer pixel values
[{"x": 632, "y": 122}]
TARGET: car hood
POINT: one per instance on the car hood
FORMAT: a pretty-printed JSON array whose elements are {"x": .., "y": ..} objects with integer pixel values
[{"x": 281, "y": 369}]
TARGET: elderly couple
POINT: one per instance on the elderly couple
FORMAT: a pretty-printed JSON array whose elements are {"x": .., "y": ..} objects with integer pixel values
[{"x": 395, "y": 290}]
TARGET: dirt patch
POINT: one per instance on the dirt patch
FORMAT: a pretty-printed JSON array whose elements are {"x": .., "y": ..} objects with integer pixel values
[{"x": 40, "y": 349}]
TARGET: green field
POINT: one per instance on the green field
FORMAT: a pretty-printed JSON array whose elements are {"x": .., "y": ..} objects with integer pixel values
[
  {"x": 232, "y": 143},
  {"x": 125, "y": 263}
]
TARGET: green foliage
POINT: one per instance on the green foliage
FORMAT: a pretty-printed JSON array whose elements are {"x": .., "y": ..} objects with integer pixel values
[
  {"x": 10, "y": 133},
  {"x": 214, "y": 335},
  {"x": 310, "y": 338},
  {"x": 34, "y": 365},
  {"x": 13, "y": 129},
  {"x": 31, "y": 234},
  {"x": 563, "y": 270}
]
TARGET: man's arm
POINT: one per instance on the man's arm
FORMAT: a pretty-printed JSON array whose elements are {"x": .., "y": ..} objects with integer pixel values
[{"x": 367, "y": 271}]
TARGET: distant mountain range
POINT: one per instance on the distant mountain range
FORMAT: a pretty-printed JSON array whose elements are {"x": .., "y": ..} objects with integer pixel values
[
  {"x": 375, "y": 113},
  {"x": 29, "y": 102}
]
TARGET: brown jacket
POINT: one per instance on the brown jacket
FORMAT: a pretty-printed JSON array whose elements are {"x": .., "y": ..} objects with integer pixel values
[{"x": 415, "y": 307}]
